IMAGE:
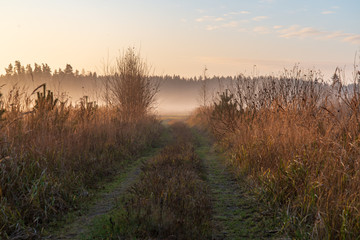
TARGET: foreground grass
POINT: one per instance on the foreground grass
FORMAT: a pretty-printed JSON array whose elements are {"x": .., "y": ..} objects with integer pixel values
[
  {"x": 53, "y": 154},
  {"x": 298, "y": 140},
  {"x": 169, "y": 201},
  {"x": 237, "y": 212},
  {"x": 104, "y": 200}
]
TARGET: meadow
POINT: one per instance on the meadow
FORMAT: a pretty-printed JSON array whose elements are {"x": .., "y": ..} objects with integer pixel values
[{"x": 292, "y": 141}]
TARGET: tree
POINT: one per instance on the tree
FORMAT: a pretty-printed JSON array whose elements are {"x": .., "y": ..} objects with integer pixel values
[
  {"x": 203, "y": 89},
  {"x": 68, "y": 70},
  {"x": 10, "y": 70},
  {"x": 20, "y": 70},
  {"x": 46, "y": 70},
  {"x": 132, "y": 90},
  {"x": 29, "y": 69}
]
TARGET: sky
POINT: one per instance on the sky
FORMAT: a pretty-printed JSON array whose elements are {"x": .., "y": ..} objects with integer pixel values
[{"x": 182, "y": 37}]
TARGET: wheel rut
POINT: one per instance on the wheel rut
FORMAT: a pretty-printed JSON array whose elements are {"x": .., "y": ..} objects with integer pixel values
[
  {"x": 104, "y": 203},
  {"x": 237, "y": 214}
]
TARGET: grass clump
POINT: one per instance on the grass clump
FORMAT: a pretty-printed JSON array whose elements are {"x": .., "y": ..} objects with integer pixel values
[{"x": 170, "y": 201}]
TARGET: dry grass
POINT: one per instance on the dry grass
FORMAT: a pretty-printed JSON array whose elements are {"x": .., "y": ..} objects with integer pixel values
[
  {"x": 170, "y": 200},
  {"x": 52, "y": 152},
  {"x": 298, "y": 138}
]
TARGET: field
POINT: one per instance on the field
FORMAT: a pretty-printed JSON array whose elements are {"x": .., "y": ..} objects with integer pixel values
[{"x": 268, "y": 157}]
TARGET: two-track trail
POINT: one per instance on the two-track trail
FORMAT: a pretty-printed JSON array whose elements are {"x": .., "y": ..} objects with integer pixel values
[
  {"x": 106, "y": 200},
  {"x": 236, "y": 212}
]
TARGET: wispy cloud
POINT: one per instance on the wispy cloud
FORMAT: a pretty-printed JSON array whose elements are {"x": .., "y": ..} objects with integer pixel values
[
  {"x": 261, "y": 30},
  {"x": 211, "y": 27},
  {"x": 209, "y": 19},
  {"x": 354, "y": 39},
  {"x": 231, "y": 24},
  {"x": 277, "y": 27},
  {"x": 236, "y": 13},
  {"x": 337, "y": 34},
  {"x": 327, "y": 12},
  {"x": 297, "y": 31},
  {"x": 260, "y": 18}
]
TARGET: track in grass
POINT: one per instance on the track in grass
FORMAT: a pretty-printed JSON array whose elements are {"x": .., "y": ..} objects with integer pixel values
[
  {"x": 106, "y": 200},
  {"x": 236, "y": 212}
]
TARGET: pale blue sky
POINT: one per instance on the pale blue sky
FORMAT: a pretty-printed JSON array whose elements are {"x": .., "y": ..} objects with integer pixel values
[{"x": 181, "y": 37}]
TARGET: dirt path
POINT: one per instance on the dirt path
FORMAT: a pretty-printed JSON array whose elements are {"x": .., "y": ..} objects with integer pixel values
[{"x": 236, "y": 212}]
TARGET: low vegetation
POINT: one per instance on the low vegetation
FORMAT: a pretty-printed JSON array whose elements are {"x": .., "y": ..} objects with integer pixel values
[
  {"x": 170, "y": 200},
  {"x": 298, "y": 140}
]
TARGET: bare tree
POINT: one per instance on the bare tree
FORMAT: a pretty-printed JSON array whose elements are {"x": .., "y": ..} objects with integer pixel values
[
  {"x": 203, "y": 92},
  {"x": 132, "y": 89}
]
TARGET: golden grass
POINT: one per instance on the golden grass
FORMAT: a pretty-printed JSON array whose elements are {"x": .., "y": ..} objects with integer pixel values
[
  {"x": 170, "y": 200},
  {"x": 52, "y": 152},
  {"x": 299, "y": 140}
]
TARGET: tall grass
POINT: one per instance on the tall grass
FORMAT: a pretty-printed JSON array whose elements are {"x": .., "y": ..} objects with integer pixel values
[
  {"x": 52, "y": 153},
  {"x": 298, "y": 139}
]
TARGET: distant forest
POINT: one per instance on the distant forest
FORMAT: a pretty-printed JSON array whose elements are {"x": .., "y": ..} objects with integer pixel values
[{"x": 177, "y": 94}]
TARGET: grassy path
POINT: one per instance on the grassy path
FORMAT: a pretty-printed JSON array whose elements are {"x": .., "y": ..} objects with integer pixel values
[
  {"x": 236, "y": 212},
  {"x": 80, "y": 227},
  {"x": 105, "y": 202}
]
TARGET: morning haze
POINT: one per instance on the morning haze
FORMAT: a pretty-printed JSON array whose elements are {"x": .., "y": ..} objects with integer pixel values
[{"x": 179, "y": 119}]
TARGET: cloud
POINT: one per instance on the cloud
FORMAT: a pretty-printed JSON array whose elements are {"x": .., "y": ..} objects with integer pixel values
[
  {"x": 338, "y": 34},
  {"x": 231, "y": 24},
  {"x": 261, "y": 30},
  {"x": 211, "y": 27},
  {"x": 296, "y": 31},
  {"x": 277, "y": 27},
  {"x": 260, "y": 18},
  {"x": 327, "y": 12},
  {"x": 241, "y": 30},
  {"x": 236, "y": 13},
  {"x": 209, "y": 19},
  {"x": 354, "y": 39}
]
